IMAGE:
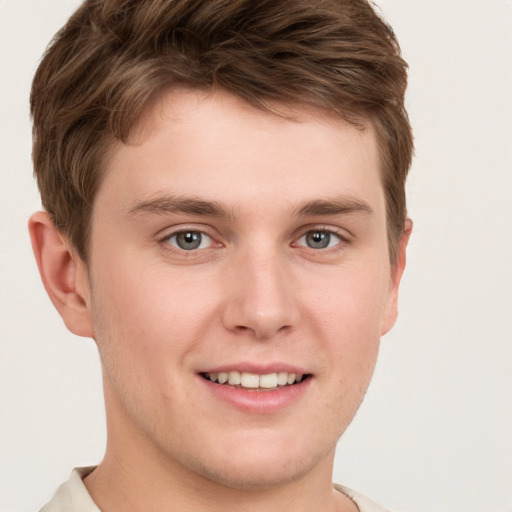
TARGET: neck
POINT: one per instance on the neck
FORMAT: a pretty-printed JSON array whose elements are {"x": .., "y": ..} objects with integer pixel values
[{"x": 134, "y": 482}]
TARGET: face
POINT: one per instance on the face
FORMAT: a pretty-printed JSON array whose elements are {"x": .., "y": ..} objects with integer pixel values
[{"x": 232, "y": 244}]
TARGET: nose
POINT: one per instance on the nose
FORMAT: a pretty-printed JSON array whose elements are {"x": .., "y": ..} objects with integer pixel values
[{"x": 261, "y": 298}]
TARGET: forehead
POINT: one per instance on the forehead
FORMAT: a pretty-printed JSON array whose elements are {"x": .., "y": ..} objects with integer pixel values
[{"x": 218, "y": 147}]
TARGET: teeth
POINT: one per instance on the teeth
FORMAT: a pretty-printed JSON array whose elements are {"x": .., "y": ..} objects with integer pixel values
[
  {"x": 250, "y": 380},
  {"x": 253, "y": 380},
  {"x": 234, "y": 378},
  {"x": 282, "y": 378},
  {"x": 268, "y": 381}
]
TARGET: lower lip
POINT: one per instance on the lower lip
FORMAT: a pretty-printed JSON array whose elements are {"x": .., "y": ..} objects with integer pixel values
[{"x": 258, "y": 402}]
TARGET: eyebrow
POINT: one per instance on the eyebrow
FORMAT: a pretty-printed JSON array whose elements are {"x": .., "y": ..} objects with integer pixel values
[
  {"x": 187, "y": 205},
  {"x": 193, "y": 206},
  {"x": 335, "y": 206}
]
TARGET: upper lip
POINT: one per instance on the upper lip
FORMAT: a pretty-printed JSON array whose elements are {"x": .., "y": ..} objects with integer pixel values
[{"x": 260, "y": 369}]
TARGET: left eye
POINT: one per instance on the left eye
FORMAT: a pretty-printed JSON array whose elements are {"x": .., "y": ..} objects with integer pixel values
[
  {"x": 319, "y": 239},
  {"x": 190, "y": 240}
]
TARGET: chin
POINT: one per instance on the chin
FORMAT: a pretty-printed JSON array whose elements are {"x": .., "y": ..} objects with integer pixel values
[
  {"x": 248, "y": 476},
  {"x": 261, "y": 468}
]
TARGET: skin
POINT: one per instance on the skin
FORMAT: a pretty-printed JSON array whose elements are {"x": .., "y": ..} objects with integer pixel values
[{"x": 253, "y": 293}]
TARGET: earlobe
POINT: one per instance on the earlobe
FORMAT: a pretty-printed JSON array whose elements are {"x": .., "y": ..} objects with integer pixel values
[
  {"x": 63, "y": 274},
  {"x": 396, "y": 276}
]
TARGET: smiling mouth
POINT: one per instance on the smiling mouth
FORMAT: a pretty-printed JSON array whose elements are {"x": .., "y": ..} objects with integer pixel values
[{"x": 254, "y": 381}]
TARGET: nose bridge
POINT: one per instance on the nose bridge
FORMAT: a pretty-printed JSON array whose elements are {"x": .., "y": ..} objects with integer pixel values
[{"x": 261, "y": 301}]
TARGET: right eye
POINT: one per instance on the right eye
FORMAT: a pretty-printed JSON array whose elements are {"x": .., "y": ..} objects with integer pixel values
[{"x": 189, "y": 240}]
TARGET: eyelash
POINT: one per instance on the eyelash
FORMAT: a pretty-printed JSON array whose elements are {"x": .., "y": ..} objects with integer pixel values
[{"x": 342, "y": 240}]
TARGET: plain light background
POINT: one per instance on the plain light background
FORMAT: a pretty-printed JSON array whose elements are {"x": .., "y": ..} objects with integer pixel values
[{"x": 434, "y": 433}]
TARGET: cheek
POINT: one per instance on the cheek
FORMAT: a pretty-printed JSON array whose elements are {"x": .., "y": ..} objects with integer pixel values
[
  {"x": 146, "y": 311},
  {"x": 349, "y": 316},
  {"x": 143, "y": 336},
  {"x": 352, "y": 305}
]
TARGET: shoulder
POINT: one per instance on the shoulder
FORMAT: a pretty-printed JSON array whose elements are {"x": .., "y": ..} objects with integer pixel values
[
  {"x": 72, "y": 496},
  {"x": 363, "y": 503}
]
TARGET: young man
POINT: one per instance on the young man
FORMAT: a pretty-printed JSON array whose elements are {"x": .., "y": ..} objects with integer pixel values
[{"x": 223, "y": 184}]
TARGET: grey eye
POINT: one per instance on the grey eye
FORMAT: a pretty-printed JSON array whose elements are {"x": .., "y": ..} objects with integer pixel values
[
  {"x": 318, "y": 239},
  {"x": 190, "y": 240}
]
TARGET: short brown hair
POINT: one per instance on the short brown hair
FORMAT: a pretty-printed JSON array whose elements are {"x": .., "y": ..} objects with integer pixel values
[{"x": 113, "y": 56}]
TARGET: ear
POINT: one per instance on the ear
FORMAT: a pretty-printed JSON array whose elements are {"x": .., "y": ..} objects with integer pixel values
[
  {"x": 63, "y": 273},
  {"x": 397, "y": 271}
]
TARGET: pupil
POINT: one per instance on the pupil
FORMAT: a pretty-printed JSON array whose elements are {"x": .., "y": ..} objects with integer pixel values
[
  {"x": 188, "y": 240},
  {"x": 318, "y": 239}
]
